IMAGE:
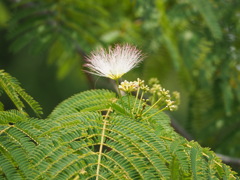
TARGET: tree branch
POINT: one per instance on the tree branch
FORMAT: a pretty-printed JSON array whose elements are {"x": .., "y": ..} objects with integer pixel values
[{"x": 231, "y": 161}]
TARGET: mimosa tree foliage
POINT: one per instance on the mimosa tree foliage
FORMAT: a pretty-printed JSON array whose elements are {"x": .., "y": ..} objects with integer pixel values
[
  {"x": 191, "y": 42},
  {"x": 93, "y": 135}
]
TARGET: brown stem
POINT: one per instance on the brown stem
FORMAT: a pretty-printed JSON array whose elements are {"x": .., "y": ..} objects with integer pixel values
[{"x": 231, "y": 161}]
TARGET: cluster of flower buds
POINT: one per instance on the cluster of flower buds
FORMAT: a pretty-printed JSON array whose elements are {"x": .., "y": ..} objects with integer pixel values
[
  {"x": 153, "y": 81},
  {"x": 155, "y": 88},
  {"x": 171, "y": 105},
  {"x": 164, "y": 94},
  {"x": 130, "y": 86},
  {"x": 160, "y": 96},
  {"x": 176, "y": 97}
]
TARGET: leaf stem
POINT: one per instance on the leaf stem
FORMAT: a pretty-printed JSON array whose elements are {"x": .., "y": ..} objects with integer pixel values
[
  {"x": 117, "y": 84},
  {"x": 140, "y": 102},
  {"x": 102, "y": 141},
  {"x": 136, "y": 99}
]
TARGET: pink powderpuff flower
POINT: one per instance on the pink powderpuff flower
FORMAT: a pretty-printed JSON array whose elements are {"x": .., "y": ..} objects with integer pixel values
[{"x": 115, "y": 62}]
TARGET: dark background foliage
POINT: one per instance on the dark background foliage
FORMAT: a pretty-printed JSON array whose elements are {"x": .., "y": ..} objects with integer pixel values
[{"x": 191, "y": 46}]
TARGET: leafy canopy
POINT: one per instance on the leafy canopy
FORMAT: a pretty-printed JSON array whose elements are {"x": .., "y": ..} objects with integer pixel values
[{"x": 94, "y": 135}]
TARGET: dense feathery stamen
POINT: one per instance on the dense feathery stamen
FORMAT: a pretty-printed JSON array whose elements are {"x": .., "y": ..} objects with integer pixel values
[{"x": 115, "y": 62}]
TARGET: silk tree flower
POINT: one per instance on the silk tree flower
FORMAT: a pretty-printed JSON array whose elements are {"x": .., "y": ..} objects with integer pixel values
[{"x": 114, "y": 62}]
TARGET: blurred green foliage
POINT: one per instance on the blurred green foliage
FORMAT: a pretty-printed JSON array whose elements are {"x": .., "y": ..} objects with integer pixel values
[
  {"x": 4, "y": 14},
  {"x": 191, "y": 46}
]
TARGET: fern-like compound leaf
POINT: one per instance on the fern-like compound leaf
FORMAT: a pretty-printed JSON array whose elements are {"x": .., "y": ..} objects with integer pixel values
[
  {"x": 88, "y": 137},
  {"x": 17, "y": 94}
]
